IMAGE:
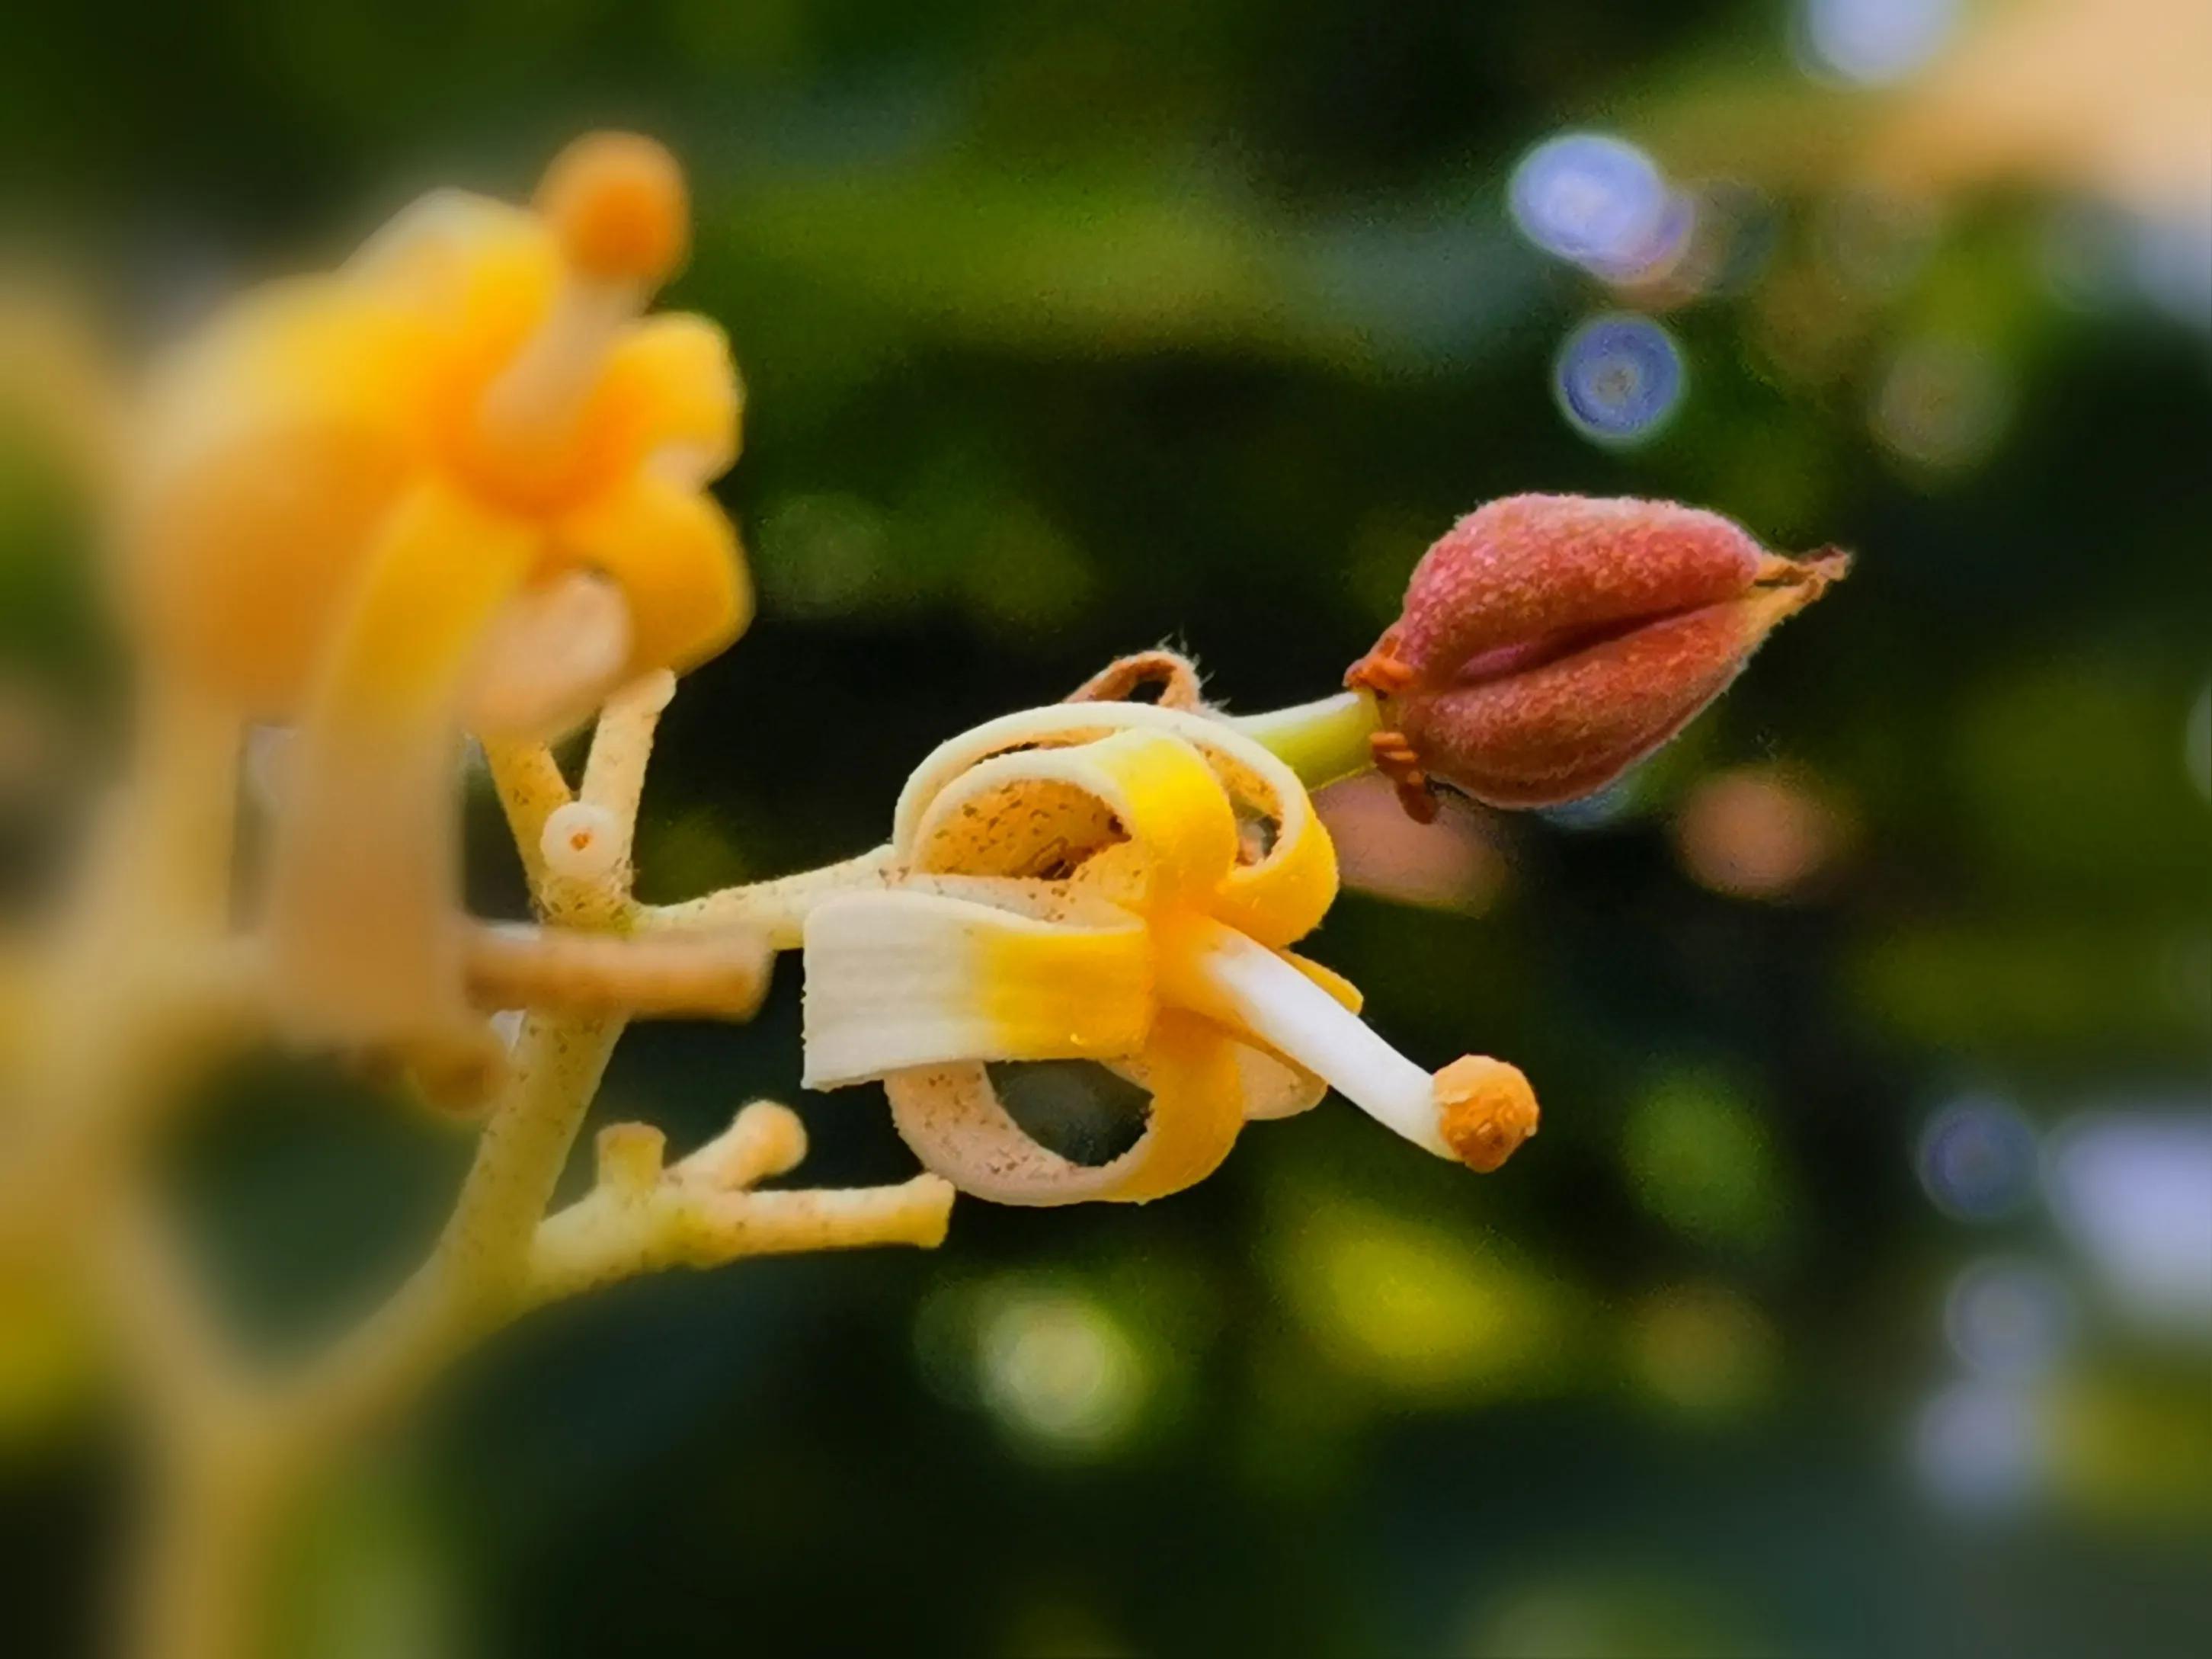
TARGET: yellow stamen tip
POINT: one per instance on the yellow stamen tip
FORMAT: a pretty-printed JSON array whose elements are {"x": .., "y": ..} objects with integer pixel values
[
  {"x": 1486, "y": 1110},
  {"x": 619, "y": 204}
]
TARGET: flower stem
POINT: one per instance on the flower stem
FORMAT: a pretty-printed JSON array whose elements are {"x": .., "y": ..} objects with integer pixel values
[
  {"x": 1323, "y": 741},
  {"x": 198, "y": 1590}
]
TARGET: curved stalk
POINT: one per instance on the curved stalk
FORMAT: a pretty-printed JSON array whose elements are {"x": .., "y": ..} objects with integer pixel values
[{"x": 1324, "y": 741}]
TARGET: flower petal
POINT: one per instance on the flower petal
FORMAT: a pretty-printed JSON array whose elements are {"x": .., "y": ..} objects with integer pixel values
[
  {"x": 271, "y": 452},
  {"x": 441, "y": 570},
  {"x": 1328, "y": 978},
  {"x": 952, "y": 1118},
  {"x": 675, "y": 555},
  {"x": 1277, "y": 896},
  {"x": 1281, "y": 896},
  {"x": 1272, "y": 1087},
  {"x": 670, "y": 379},
  {"x": 1037, "y": 813},
  {"x": 484, "y": 273},
  {"x": 903, "y": 979}
]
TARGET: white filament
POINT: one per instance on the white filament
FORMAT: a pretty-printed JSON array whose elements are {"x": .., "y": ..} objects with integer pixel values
[{"x": 1238, "y": 978}]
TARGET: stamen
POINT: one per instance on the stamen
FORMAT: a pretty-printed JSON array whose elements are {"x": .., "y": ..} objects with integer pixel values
[
  {"x": 1488, "y": 1109},
  {"x": 617, "y": 203},
  {"x": 1220, "y": 973},
  {"x": 1381, "y": 670}
]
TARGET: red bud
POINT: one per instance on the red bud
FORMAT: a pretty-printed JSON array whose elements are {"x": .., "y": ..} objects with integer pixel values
[{"x": 1549, "y": 642}]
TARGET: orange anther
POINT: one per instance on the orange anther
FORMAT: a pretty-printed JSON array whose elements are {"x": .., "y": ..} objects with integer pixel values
[
  {"x": 1487, "y": 1110},
  {"x": 1396, "y": 759},
  {"x": 1380, "y": 671},
  {"x": 618, "y": 203}
]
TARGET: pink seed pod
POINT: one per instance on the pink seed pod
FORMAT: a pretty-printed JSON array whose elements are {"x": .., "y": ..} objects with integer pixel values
[{"x": 1549, "y": 642}]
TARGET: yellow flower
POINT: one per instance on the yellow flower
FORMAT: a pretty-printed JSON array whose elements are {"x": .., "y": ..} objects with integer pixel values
[
  {"x": 459, "y": 482},
  {"x": 470, "y": 405},
  {"x": 1118, "y": 883}
]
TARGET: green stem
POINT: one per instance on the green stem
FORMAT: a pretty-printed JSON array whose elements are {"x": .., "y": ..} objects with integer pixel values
[{"x": 1324, "y": 742}]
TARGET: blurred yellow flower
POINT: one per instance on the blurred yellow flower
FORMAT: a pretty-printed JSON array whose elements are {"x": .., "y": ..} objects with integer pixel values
[
  {"x": 1119, "y": 883},
  {"x": 459, "y": 482},
  {"x": 470, "y": 405}
]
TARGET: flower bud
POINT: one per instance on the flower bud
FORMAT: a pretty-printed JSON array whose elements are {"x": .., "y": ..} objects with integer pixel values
[{"x": 1549, "y": 642}]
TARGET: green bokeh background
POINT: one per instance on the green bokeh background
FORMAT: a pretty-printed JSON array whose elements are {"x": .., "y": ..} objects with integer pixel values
[{"x": 1072, "y": 330}]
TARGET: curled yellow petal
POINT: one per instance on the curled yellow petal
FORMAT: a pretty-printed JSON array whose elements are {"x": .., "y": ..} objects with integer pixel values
[
  {"x": 953, "y": 1119},
  {"x": 413, "y": 622},
  {"x": 1198, "y": 1106},
  {"x": 670, "y": 379},
  {"x": 1281, "y": 894},
  {"x": 1328, "y": 978},
  {"x": 1040, "y": 813},
  {"x": 1281, "y": 885}
]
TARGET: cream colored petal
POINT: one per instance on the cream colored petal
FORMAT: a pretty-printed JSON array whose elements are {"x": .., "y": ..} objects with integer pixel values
[
  {"x": 903, "y": 979},
  {"x": 1273, "y": 1087}
]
